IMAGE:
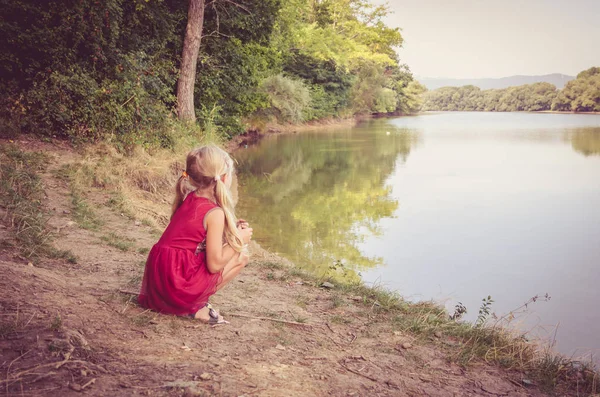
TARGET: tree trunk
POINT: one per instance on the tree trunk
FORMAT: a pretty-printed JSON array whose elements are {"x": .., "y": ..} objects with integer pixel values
[{"x": 189, "y": 59}]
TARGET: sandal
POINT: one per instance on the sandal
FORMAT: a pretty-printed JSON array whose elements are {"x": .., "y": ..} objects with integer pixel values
[{"x": 214, "y": 318}]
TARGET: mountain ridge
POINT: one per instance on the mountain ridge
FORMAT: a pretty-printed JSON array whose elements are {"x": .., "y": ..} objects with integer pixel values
[{"x": 558, "y": 79}]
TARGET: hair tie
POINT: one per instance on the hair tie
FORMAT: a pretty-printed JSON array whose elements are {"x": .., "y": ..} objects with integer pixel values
[{"x": 184, "y": 174}]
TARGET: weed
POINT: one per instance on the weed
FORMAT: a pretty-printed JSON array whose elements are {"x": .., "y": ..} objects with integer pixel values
[
  {"x": 484, "y": 311},
  {"x": 117, "y": 241},
  {"x": 68, "y": 255},
  {"x": 270, "y": 276},
  {"x": 143, "y": 250},
  {"x": 336, "y": 301},
  {"x": 272, "y": 265},
  {"x": 337, "y": 319},
  {"x": 57, "y": 323},
  {"x": 302, "y": 301}
]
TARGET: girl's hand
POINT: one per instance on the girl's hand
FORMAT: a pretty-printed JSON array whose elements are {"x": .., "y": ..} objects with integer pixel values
[{"x": 246, "y": 234}]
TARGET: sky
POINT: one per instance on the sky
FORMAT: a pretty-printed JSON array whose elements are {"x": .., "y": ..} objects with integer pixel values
[{"x": 486, "y": 38}]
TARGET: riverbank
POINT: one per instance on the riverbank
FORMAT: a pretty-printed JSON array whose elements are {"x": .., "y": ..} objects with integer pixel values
[
  {"x": 254, "y": 135},
  {"x": 68, "y": 326}
]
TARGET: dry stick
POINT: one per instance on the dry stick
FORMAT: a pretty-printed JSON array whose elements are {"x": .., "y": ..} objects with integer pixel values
[
  {"x": 124, "y": 291},
  {"x": 88, "y": 383},
  {"x": 358, "y": 373},
  {"x": 10, "y": 365},
  {"x": 268, "y": 319}
]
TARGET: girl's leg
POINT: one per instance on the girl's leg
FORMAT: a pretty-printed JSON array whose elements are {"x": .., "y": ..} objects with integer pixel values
[{"x": 233, "y": 268}]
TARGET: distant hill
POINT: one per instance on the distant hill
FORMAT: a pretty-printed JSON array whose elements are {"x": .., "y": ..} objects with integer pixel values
[{"x": 559, "y": 80}]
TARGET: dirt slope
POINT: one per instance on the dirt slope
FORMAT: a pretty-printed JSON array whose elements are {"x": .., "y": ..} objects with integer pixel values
[{"x": 67, "y": 330}]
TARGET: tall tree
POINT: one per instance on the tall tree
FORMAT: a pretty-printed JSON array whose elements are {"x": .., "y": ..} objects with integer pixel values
[{"x": 189, "y": 60}]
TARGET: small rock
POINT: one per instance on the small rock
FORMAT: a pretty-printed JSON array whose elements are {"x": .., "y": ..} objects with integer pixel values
[
  {"x": 70, "y": 223},
  {"x": 137, "y": 223},
  {"x": 66, "y": 212},
  {"x": 527, "y": 382},
  {"x": 83, "y": 372},
  {"x": 206, "y": 376},
  {"x": 438, "y": 334},
  {"x": 406, "y": 345},
  {"x": 30, "y": 264},
  {"x": 397, "y": 333},
  {"x": 327, "y": 285},
  {"x": 357, "y": 298},
  {"x": 280, "y": 347},
  {"x": 75, "y": 386}
]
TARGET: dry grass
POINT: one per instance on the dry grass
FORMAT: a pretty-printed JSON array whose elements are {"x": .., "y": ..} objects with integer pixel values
[
  {"x": 21, "y": 196},
  {"x": 141, "y": 182}
]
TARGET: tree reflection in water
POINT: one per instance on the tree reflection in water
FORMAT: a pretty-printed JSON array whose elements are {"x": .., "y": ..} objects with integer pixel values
[
  {"x": 313, "y": 197},
  {"x": 585, "y": 140}
]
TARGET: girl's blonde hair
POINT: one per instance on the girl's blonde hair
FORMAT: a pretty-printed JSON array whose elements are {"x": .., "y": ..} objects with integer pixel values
[{"x": 205, "y": 166}]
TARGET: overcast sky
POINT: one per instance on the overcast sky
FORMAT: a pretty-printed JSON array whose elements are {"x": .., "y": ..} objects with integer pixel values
[{"x": 497, "y": 38}]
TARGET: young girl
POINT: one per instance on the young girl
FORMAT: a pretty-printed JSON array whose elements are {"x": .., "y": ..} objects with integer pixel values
[{"x": 204, "y": 247}]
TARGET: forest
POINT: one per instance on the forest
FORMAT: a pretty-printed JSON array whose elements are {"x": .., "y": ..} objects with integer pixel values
[
  {"x": 88, "y": 70},
  {"x": 579, "y": 95}
]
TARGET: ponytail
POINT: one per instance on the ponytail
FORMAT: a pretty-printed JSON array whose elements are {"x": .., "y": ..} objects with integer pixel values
[
  {"x": 181, "y": 191},
  {"x": 231, "y": 232}
]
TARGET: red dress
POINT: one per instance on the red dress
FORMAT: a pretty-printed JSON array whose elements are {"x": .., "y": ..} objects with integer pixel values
[{"x": 176, "y": 279}]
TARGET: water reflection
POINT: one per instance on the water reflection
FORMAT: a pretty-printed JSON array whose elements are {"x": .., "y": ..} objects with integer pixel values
[
  {"x": 314, "y": 197},
  {"x": 585, "y": 141}
]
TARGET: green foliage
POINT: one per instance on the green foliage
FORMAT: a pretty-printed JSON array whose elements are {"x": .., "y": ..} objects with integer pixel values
[
  {"x": 529, "y": 97},
  {"x": 289, "y": 98},
  {"x": 88, "y": 70},
  {"x": 581, "y": 94}
]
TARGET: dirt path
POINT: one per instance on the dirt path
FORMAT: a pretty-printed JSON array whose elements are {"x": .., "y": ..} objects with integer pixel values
[{"x": 66, "y": 329}]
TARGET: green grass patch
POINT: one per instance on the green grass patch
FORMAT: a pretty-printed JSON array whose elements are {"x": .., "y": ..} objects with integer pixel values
[
  {"x": 83, "y": 213},
  {"x": 118, "y": 241}
]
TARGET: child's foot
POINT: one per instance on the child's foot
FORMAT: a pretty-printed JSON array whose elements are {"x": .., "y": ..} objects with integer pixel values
[{"x": 209, "y": 315}]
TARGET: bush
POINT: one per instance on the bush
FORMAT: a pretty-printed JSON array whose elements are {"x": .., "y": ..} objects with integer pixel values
[{"x": 289, "y": 98}]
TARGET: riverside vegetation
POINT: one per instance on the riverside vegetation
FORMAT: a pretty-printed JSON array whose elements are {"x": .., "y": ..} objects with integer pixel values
[
  {"x": 579, "y": 95},
  {"x": 90, "y": 70}
]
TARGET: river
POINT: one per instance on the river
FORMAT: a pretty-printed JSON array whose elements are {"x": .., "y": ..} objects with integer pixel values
[{"x": 450, "y": 207}]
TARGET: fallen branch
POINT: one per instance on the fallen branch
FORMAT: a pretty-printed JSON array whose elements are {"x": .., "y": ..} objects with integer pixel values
[
  {"x": 269, "y": 319},
  {"x": 358, "y": 373}
]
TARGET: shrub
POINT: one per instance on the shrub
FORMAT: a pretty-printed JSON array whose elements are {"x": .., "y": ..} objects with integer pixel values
[{"x": 289, "y": 98}]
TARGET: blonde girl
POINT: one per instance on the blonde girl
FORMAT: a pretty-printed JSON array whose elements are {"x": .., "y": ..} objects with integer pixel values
[{"x": 203, "y": 247}]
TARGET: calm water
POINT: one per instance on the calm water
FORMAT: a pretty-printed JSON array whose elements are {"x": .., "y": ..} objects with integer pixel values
[{"x": 446, "y": 206}]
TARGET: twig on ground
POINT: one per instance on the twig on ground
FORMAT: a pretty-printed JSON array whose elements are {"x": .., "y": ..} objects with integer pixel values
[
  {"x": 91, "y": 382},
  {"x": 353, "y": 339},
  {"x": 124, "y": 291},
  {"x": 10, "y": 365},
  {"x": 269, "y": 319},
  {"x": 359, "y": 373}
]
